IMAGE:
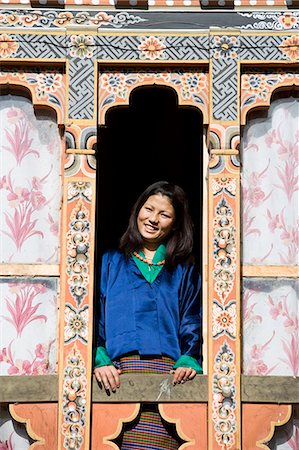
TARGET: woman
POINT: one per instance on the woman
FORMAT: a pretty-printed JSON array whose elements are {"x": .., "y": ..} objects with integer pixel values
[{"x": 150, "y": 315}]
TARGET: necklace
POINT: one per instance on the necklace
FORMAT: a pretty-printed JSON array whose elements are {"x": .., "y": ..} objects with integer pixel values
[{"x": 148, "y": 261}]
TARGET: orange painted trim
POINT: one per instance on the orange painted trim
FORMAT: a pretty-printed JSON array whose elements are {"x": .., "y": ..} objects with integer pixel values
[
  {"x": 273, "y": 424},
  {"x": 13, "y": 83},
  {"x": 31, "y": 433},
  {"x": 178, "y": 425},
  {"x": 119, "y": 427}
]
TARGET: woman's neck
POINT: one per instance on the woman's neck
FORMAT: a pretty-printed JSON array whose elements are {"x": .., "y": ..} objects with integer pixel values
[{"x": 149, "y": 251}]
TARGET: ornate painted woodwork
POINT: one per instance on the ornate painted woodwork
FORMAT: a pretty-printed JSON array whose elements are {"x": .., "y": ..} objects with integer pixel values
[{"x": 100, "y": 57}]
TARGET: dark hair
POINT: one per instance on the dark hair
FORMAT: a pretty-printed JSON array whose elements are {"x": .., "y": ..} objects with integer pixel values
[{"x": 179, "y": 243}]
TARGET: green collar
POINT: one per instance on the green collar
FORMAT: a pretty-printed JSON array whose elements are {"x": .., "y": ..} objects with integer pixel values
[{"x": 150, "y": 273}]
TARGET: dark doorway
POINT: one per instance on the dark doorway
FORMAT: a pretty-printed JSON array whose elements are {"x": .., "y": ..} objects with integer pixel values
[{"x": 152, "y": 139}]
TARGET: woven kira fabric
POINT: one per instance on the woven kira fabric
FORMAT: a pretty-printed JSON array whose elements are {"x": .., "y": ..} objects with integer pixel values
[
  {"x": 136, "y": 364},
  {"x": 148, "y": 431},
  {"x": 148, "y": 434}
]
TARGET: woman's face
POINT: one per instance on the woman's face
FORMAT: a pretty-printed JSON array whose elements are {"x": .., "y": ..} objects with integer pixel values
[{"x": 156, "y": 219}]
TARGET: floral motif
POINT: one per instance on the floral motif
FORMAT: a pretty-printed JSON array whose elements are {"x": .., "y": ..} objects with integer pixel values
[
  {"x": 79, "y": 188},
  {"x": 224, "y": 319},
  {"x": 152, "y": 48},
  {"x": 224, "y": 403},
  {"x": 76, "y": 324},
  {"x": 250, "y": 319},
  {"x": 114, "y": 83},
  {"x": 193, "y": 83},
  {"x": 271, "y": 346},
  {"x": 271, "y": 20},
  {"x": 8, "y": 444},
  {"x": 37, "y": 366},
  {"x": 224, "y": 250},
  {"x": 49, "y": 82},
  {"x": 19, "y": 140},
  {"x": 82, "y": 46},
  {"x": 7, "y": 46},
  {"x": 54, "y": 225},
  {"x": 225, "y": 47},
  {"x": 288, "y": 20},
  {"x": 253, "y": 197},
  {"x": 293, "y": 441},
  {"x": 290, "y": 47},
  {"x": 270, "y": 186},
  {"x": 256, "y": 365},
  {"x": 78, "y": 256},
  {"x": 224, "y": 184},
  {"x": 74, "y": 403},
  {"x": 255, "y": 83},
  {"x": 22, "y": 311},
  {"x": 25, "y": 202}
]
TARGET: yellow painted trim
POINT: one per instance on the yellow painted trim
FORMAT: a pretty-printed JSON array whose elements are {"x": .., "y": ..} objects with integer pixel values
[
  {"x": 270, "y": 63},
  {"x": 44, "y": 31},
  {"x": 92, "y": 181},
  {"x": 63, "y": 276},
  {"x": 177, "y": 423},
  {"x": 262, "y": 442},
  {"x": 150, "y": 33},
  {"x": 270, "y": 271},
  {"x": 273, "y": 32},
  {"x": 107, "y": 439},
  {"x": 80, "y": 151},
  {"x": 224, "y": 151},
  {"x": 10, "y": 61},
  {"x": 39, "y": 440},
  {"x": 238, "y": 348},
  {"x": 29, "y": 270},
  {"x": 152, "y": 63},
  {"x": 223, "y": 31},
  {"x": 76, "y": 29}
]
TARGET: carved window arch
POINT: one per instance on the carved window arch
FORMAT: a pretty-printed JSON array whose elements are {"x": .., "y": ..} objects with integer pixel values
[{"x": 190, "y": 88}]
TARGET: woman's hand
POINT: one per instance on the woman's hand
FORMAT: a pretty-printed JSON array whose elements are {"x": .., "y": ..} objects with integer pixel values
[
  {"x": 182, "y": 374},
  {"x": 108, "y": 376}
]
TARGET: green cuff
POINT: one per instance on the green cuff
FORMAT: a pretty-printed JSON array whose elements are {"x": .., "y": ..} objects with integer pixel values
[
  {"x": 188, "y": 361},
  {"x": 102, "y": 358}
]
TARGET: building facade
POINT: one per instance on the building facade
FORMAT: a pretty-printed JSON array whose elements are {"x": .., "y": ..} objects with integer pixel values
[{"x": 91, "y": 93}]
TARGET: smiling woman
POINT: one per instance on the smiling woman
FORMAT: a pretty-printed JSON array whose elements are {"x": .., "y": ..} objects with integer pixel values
[{"x": 154, "y": 282}]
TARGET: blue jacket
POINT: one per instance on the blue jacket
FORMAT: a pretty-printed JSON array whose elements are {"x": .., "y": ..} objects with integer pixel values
[{"x": 159, "y": 318}]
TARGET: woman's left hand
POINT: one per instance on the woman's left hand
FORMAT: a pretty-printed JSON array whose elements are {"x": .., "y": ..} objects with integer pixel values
[{"x": 182, "y": 374}]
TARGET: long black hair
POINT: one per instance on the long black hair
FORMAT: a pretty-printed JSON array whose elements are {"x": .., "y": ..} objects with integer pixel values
[{"x": 179, "y": 244}]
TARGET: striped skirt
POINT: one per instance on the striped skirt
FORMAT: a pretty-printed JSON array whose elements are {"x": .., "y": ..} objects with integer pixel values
[{"x": 148, "y": 431}]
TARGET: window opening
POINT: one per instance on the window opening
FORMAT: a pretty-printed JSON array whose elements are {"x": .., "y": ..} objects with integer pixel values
[{"x": 151, "y": 139}]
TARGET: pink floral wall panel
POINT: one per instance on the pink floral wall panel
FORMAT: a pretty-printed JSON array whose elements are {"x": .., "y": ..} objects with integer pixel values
[
  {"x": 270, "y": 186},
  {"x": 271, "y": 327},
  {"x": 29, "y": 183},
  {"x": 28, "y": 326}
]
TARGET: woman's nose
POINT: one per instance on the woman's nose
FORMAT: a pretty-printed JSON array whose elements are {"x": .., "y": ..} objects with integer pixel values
[{"x": 153, "y": 218}]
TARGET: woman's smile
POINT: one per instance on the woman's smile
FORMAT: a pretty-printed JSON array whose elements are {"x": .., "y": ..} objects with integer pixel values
[{"x": 156, "y": 219}]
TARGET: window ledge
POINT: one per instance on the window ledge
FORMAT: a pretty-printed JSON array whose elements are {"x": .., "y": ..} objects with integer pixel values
[{"x": 140, "y": 388}]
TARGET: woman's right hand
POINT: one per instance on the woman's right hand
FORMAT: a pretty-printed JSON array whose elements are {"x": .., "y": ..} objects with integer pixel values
[{"x": 108, "y": 376}]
